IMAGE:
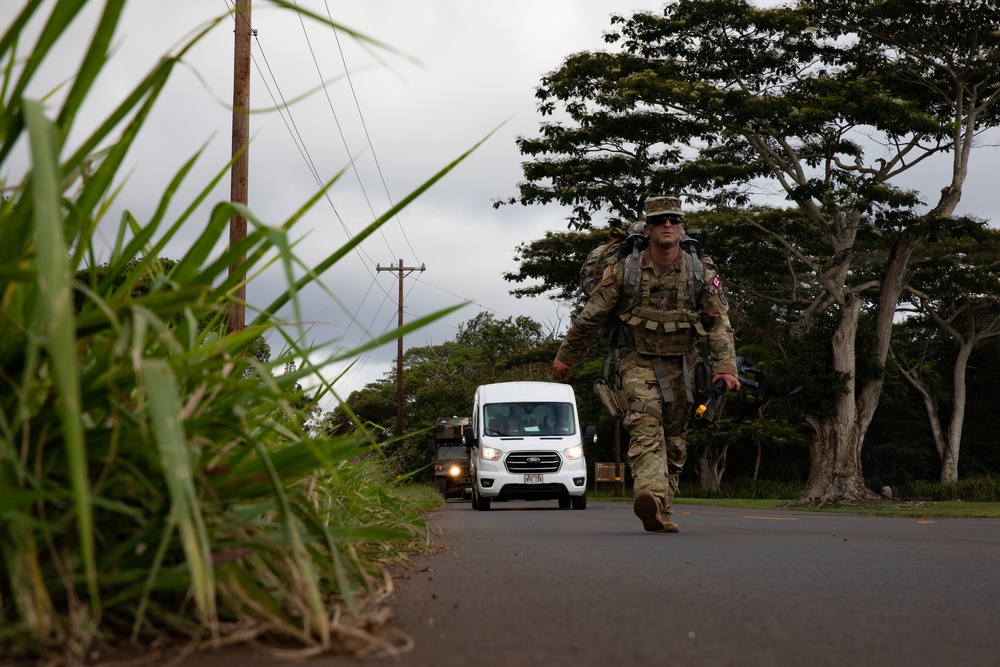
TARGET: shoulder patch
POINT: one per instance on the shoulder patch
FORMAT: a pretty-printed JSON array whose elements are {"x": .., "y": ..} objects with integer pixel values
[
  {"x": 717, "y": 282},
  {"x": 607, "y": 272}
]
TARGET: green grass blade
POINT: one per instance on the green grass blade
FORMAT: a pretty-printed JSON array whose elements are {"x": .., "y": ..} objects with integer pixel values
[
  {"x": 305, "y": 575},
  {"x": 8, "y": 41},
  {"x": 90, "y": 68},
  {"x": 153, "y": 81},
  {"x": 58, "y": 326},
  {"x": 151, "y": 576},
  {"x": 12, "y": 120},
  {"x": 164, "y": 408}
]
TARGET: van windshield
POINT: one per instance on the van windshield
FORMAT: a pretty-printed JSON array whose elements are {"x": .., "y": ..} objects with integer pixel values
[{"x": 529, "y": 418}]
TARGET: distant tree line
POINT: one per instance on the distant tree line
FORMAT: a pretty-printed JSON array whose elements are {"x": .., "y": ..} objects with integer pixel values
[
  {"x": 769, "y": 445},
  {"x": 825, "y": 108},
  {"x": 880, "y": 301}
]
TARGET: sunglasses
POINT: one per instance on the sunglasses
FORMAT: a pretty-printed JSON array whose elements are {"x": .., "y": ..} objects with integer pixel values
[{"x": 670, "y": 219}]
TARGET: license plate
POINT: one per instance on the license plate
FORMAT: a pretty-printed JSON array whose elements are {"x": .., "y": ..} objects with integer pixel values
[{"x": 532, "y": 479}]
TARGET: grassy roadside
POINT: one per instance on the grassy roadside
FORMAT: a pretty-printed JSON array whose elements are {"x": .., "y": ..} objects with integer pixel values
[
  {"x": 426, "y": 499},
  {"x": 166, "y": 483},
  {"x": 919, "y": 510}
]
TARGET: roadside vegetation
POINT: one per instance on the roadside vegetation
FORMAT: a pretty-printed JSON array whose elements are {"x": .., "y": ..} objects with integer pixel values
[
  {"x": 791, "y": 148},
  {"x": 970, "y": 499},
  {"x": 162, "y": 481},
  {"x": 903, "y": 509}
]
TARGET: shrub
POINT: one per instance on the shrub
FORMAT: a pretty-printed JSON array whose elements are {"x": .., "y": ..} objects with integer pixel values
[{"x": 156, "y": 478}]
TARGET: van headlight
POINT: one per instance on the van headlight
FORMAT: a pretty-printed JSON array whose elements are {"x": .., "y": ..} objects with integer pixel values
[
  {"x": 490, "y": 454},
  {"x": 575, "y": 452}
]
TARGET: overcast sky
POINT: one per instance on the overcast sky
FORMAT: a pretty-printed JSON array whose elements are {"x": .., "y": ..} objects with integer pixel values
[{"x": 478, "y": 64}]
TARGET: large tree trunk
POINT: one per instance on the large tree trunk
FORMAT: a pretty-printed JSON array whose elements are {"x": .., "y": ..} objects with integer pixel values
[
  {"x": 835, "y": 447},
  {"x": 835, "y": 465},
  {"x": 712, "y": 462},
  {"x": 930, "y": 407},
  {"x": 947, "y": 444},
  {"x": 949, "y": 451}
]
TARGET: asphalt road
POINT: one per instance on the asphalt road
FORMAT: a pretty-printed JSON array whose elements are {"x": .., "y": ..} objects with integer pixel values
[{"x": 529, "y": 584}]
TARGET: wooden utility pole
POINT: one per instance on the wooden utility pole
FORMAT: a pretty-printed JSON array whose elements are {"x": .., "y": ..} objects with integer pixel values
[
  {"x": 240, "y": 178},
  {"x": 399, "y": 346}
]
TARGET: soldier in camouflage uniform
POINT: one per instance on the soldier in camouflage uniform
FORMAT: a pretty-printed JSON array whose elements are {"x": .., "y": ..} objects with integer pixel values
[{"x": 661, "y": 325}]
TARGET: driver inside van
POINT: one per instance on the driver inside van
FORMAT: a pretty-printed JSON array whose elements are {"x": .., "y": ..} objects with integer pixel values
[
  {"x": 550, "y": 425},
  {"x": 498, "y": 424}
]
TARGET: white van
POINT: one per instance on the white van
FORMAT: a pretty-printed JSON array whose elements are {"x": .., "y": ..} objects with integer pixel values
[{"x": 526, "y": 443}]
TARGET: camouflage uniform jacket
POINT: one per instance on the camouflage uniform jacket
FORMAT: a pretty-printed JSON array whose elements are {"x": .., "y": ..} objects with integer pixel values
[{"x": 657, "y": 313}]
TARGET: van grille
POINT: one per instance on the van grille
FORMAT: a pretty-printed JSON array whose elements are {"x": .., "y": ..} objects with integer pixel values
[{"x": 524, "y": 462}]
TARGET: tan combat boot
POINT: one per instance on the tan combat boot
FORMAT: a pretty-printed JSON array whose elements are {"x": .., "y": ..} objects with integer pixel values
[{"x": 647, "y": 508}]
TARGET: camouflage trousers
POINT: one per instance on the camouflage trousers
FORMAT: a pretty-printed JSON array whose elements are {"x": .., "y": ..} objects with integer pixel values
[{"x": 656, "y": 459}]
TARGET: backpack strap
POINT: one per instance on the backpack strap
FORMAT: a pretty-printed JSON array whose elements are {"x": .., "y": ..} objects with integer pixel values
[
  {"x": 695, "y": 268},
  {"x": 630, "y": 285},
  {"x": 631, "y": 279}
]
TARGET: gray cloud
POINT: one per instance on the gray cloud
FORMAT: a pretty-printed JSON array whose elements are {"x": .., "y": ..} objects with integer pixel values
[{"x": 479, "y": 65}]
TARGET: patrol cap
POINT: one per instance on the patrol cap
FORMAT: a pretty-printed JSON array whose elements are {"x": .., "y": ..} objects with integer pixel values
[{"x": 655, "y": 206}]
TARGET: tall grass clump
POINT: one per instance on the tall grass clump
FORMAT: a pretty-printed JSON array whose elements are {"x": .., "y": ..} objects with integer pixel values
[
  {"x": 970, "y": 489},
  {"x": 157, "y": 481}
]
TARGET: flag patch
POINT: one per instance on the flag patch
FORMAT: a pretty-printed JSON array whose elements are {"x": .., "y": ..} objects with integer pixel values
[
  {"x": 607, "y": 272},
  {"x": 717, "y": 282}
]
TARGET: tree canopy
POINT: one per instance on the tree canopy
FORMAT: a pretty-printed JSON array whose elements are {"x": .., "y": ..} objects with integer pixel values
[{"x": 822, "y": 108}]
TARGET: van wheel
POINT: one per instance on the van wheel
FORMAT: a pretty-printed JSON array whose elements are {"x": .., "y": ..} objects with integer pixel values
[
  {"x": 483, "y": 505},
  {"x": 564, "y": 502},
  {"x": 475, "y": 498},
  {"x": 579, "y": 502}
]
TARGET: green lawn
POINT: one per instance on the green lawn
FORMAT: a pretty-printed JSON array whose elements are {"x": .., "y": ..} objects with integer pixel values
[
  {"x": 923, "y": 509},
  {"x": 920, "y": 510}
]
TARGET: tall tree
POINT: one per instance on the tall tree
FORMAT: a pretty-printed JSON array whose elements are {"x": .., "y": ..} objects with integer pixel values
[
  {"x": 829, "y": 105},
  {"x": 953, "y": 294}
]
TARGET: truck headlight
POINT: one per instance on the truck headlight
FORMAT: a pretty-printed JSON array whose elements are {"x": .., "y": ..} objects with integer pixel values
[
  {"x": 575, "y": 452},
  {"x": 490, "y": 454},
  {"x": 455, "y": 471}
]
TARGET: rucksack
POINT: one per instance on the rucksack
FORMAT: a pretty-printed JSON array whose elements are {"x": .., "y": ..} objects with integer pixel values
[
  {"x": 631, "y": 245},
  {"x": 600, "y": 258}
]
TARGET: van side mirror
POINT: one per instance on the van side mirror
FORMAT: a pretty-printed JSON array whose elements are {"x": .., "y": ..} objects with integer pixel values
[
  {"x": 469, "y": 436},
  {"x": 590, "y": 434}
]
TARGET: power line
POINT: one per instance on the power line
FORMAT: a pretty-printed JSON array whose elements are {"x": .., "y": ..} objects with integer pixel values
[
  {"x": 364, "y": 125},
  {"x": 300, "y": 144},
  {"x": 336, "y": 119}
]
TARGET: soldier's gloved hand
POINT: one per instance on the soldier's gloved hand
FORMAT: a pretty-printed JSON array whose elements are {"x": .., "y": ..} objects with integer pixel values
[
  {"x": 560, "y": 369},
  {"x": 732, "y": 382}
]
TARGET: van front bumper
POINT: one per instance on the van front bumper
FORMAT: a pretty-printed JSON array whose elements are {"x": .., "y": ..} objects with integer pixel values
[{"x": 495, "y": 482}]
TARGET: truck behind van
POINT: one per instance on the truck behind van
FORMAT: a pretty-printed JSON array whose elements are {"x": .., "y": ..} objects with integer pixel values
[
  {"x": 452, "y": 472},
  {"x": 526, "y": 443}
]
